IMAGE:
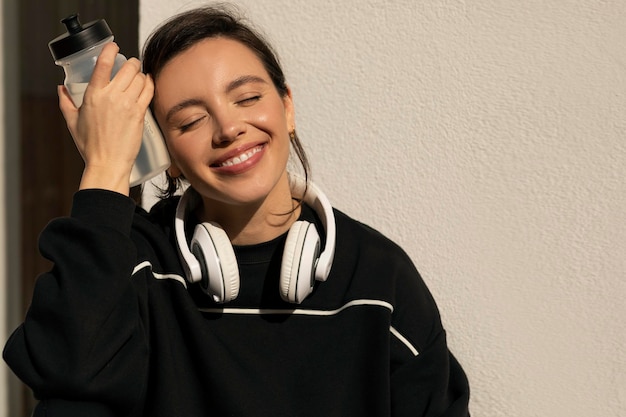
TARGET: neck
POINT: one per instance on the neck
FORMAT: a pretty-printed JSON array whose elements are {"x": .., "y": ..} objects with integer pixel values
[{"x": 256, "y": 222}]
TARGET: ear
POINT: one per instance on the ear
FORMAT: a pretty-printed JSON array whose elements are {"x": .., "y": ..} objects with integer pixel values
[{"x": 289, "y": 110}]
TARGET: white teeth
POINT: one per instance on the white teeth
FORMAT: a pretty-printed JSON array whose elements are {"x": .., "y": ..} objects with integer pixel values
[{"x": 241, "y": 158}]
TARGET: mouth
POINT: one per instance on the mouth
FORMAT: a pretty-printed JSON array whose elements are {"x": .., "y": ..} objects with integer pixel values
[{"x": 240, "y": 158}]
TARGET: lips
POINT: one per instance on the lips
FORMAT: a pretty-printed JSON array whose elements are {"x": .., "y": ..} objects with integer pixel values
[{"x": 239, "y": 157}]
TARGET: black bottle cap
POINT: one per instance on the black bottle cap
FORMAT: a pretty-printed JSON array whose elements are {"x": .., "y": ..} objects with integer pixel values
[{"x": 78, "y": 37}]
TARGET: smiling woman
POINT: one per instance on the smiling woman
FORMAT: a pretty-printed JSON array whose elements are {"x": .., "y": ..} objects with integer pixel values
[
  {"x": 227, "y": 129},
  {"x": 250, "y": 295}
]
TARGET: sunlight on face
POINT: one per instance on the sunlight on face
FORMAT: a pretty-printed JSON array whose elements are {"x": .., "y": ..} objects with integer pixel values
[{"x": 226, "y": 126}]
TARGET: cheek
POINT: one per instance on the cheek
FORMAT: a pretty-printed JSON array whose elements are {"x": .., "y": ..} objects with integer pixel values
[
  {"x": 180, "y": 152},
  {"x": 171, "y": 144},
  {"x": 273, "y": 117}
]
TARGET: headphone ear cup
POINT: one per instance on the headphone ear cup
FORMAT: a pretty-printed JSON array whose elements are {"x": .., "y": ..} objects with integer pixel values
[
  {"x": 220, "y": 274},
  {"x": 297, "y": 272}
]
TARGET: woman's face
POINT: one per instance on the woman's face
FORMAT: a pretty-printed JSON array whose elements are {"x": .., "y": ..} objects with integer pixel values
[{"x": 225, "y": 124}]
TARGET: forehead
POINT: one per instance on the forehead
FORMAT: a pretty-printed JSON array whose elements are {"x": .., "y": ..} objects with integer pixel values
[
  {"x": 214, "y": 58},
  {"x": 205, "y": 69}
]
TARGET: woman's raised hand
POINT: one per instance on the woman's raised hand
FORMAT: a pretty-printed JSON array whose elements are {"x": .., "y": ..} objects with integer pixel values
[{"x": 108, "y": 126}]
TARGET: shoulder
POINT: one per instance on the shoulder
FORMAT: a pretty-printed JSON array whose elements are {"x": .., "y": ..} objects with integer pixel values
[
  {"x": 368, "y": 243},
  {"x": 377, "y": 263},
  {"x": 163, "y": 211},
  {"x": 153, "y": 234}
]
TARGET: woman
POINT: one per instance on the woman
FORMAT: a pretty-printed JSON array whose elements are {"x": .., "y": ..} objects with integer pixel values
[{"x": 248, "y": 296}]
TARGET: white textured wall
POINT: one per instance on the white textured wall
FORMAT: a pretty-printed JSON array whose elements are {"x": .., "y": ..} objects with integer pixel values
[{"x": 488, "y": 139}]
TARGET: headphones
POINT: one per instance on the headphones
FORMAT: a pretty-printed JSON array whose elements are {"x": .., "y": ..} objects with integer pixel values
[{"x": 210, "y": 259}]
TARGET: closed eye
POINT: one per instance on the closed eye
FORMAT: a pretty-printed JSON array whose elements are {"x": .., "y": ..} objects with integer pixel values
[
  {"x": 249, "y": 100},
  {"x": 188, "y": 126}
]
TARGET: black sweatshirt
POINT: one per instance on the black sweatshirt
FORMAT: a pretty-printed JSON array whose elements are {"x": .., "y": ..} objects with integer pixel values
[{"x": 115, "y": 330}]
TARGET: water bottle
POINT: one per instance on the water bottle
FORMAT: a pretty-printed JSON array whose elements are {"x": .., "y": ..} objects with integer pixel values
[{"x": 76, "y": 52}]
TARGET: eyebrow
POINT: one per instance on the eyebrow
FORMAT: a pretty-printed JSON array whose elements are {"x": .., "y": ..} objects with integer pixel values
[
  {"x": 244, "y": 79},
  {"x": 182, "y": 105},
  {"x": 234, "y": 84}
]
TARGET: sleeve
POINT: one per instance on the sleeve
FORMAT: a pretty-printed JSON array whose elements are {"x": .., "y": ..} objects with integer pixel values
[
  {"x": 82, "y": 339},
  {"x": 426, "y": 379},
  {"x": 62, "y": 408}
]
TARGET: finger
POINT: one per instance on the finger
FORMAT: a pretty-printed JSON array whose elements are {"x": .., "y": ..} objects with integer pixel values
[
  {"x": 68, "y": 109},
  {"x": 104, "y": 66},
  {"x": 136, "y": 86},
  {"x": 126, "y": 74},
  {"x": 147, "y": 93}
]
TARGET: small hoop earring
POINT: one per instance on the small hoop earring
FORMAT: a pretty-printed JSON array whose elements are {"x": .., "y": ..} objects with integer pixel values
[{"x": 292, "y": 135}]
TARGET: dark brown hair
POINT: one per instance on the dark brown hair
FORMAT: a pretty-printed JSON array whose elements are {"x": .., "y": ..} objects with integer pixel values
[{"x": 186, "y": 29}]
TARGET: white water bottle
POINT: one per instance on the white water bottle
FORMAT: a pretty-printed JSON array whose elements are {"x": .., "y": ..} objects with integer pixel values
[{"x": 76, "y": 52}]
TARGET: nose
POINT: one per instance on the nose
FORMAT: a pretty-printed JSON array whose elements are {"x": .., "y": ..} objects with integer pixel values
[{"x": 228, "y": 127}]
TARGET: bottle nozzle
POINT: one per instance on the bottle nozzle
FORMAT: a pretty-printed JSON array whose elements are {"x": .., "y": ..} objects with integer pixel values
[
  {"x": 72, "y": 24},
  {"x": 78, "y": 36}
]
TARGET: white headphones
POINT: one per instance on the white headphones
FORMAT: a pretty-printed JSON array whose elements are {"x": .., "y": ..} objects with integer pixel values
[{"x": 210, "y": 258}]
